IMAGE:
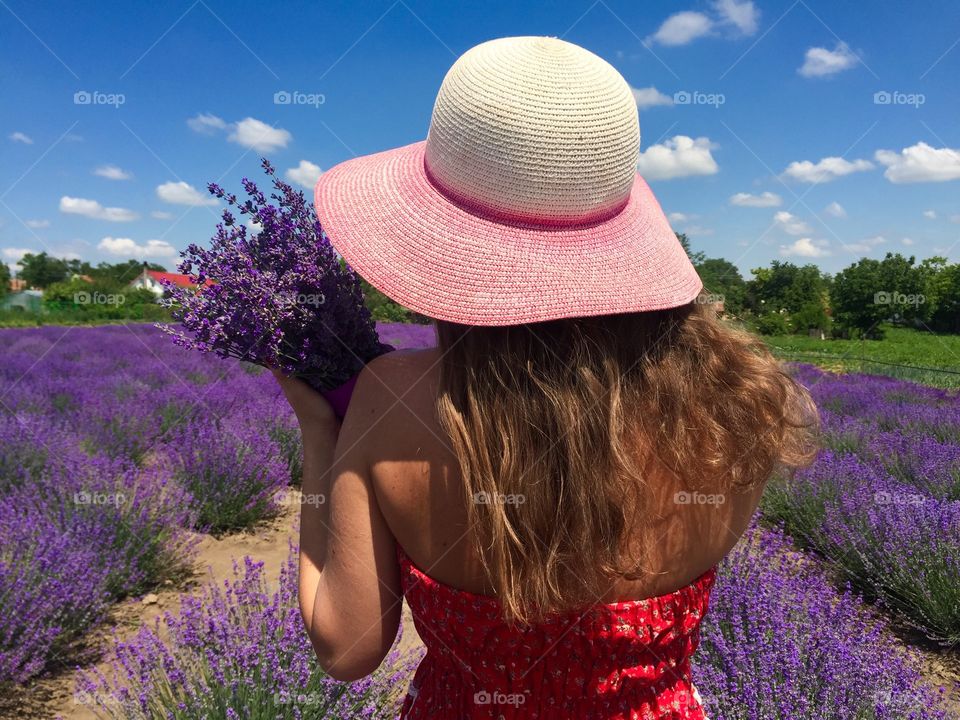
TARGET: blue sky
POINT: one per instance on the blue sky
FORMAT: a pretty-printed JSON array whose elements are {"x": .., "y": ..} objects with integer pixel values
[{"x": 806, "y": 130}]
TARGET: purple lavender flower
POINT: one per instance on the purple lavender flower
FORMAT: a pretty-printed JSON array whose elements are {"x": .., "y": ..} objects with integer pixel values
[
  {"x": 277, "y": 296},
  {"x": 239, "y": 651},
  {"x": 779, "y": 642}
]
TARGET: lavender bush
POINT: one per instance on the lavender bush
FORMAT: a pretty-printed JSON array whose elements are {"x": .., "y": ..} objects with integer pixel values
[
  {"x": 231, "y": 471},
  {"x": 52, "y": 590},
  {"x": 238, "y": 651},
  {"x": 277, "y": 296},
  {"x": 780, "y": 643},
  {"x": 886, "y": 537}
]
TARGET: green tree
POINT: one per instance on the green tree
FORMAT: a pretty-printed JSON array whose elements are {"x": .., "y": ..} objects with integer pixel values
[
  {"x": 695, "y": 257},
  {"x": 785, "y": 286},
  {"x": 41, "y": 270},
  {"x": 4, "y": 279},
  {"x": 858, "y": 301},
  {"x": 901, "y": 285},
  {"x": 721, "y": 277},
  {"x": 946, "y": 314}
]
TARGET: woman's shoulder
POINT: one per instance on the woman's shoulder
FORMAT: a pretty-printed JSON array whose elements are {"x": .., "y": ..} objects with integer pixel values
[
  {"x": 397, "y": 368},
  {"x": 398, "y": 382}
]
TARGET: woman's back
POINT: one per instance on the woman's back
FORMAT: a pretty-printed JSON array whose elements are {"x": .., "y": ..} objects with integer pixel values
[{"x": 419, "y": 489}]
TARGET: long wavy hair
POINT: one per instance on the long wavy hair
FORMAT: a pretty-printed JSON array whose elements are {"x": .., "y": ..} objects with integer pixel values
[{"x": 557, "y": 425}]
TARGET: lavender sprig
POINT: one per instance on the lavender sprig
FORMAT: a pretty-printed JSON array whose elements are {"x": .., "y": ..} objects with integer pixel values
[{"x": 273, "y": 292}]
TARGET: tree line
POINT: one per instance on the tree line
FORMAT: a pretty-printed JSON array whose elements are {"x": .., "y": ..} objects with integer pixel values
[{"x": 785, "y": 298}]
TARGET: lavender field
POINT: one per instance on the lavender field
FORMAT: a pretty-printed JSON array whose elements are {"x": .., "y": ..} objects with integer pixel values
[{"x": 119, "y": 451}]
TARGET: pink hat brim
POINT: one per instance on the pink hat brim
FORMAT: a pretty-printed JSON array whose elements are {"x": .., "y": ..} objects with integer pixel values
[{"x": 409, "y": 240}]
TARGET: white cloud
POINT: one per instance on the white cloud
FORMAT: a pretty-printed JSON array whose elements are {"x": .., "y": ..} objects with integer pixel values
[
  {"x": 820, "y": 62},
  {"x": 13, "y": 254},
  {"x": 305, "y": 174},
  {"x": 835, "y": 209},
  {"x": 681, "y": 28},
  {"x": 649, "y": 97},
  {"x": 161, "y": 215},
  {"x": 829, "y": 168},
  {"x": 791, "y": 224},
  {"x": 908, "y": 241},
  {"x": 131, "y": 249},
  {"x": 865, "y": 246},
  {"x": 681, "y": 156},
  {"x": 256, "y": 135},
  {"x": 21, "y": 138},
  {"x": 742, "y": 14},
  {"x": 765, "y": 199},
  {"x": 920, "y": 163},
  {"x": 254, "y": 226},
  {"x": 698, "y": 230},
  {"x": 930, "y": 214},
  {"x": 678, "y": 217},
  {"x": 37, "y": 224},
  {"x": 93, "y": 209},
  {"x": 206, "y": 124},
  {"x": 805, "y": 247},
  {"x": 112, "y": 172},
  {"x": 180, "y": 193}
]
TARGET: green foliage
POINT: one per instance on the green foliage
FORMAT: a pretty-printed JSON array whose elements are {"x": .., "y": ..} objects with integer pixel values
[
  {"x": 695, "y": 257},
  {"x": 785, "y": 286},
  {"x": 383, "y": 309},
  {"x": 41, "y": 270},
  {"x": 871, "y": 291},
  {"x": 98, "y": 301},
  {"x": 721, "y": 277},
  {"x": 773, "y": 323},
  {"x": 4, "y": 279},
  {"x": 811, "y": 316}
]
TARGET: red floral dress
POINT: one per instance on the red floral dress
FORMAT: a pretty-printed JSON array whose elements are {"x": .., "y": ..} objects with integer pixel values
[{"x": 620, "y": 661}]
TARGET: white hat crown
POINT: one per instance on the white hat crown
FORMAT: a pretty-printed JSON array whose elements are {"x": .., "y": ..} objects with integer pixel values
[{"x": 534, "y": 129}]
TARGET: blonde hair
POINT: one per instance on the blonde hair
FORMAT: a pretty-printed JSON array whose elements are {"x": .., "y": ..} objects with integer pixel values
[{"x": 555, "y": 425}]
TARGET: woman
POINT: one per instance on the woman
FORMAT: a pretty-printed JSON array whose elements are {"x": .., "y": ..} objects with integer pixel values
[{"x": 553, "y": 485}]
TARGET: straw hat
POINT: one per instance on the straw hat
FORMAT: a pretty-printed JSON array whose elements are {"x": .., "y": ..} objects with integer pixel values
[{"x": 522, "y": 205}]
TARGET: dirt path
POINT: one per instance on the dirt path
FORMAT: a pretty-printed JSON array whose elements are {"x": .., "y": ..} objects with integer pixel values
[{"x": 54, "y": 696}]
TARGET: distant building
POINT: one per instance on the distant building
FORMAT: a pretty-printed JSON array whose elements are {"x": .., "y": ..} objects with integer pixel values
[
  {"x": 16, "y": 285},
  {"x": 25, "y": 300},
  {"x": 153, "y": 280}
]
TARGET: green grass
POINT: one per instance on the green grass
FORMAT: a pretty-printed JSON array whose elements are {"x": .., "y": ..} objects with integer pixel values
[{"x": 903, "y": 353}]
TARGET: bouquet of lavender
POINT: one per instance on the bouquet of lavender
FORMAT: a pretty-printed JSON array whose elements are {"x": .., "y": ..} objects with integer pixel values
[{"x": 273, "y": 292}]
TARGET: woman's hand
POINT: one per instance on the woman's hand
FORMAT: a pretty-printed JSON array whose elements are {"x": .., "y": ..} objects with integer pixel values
[{"x": 313, "y": 411}]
